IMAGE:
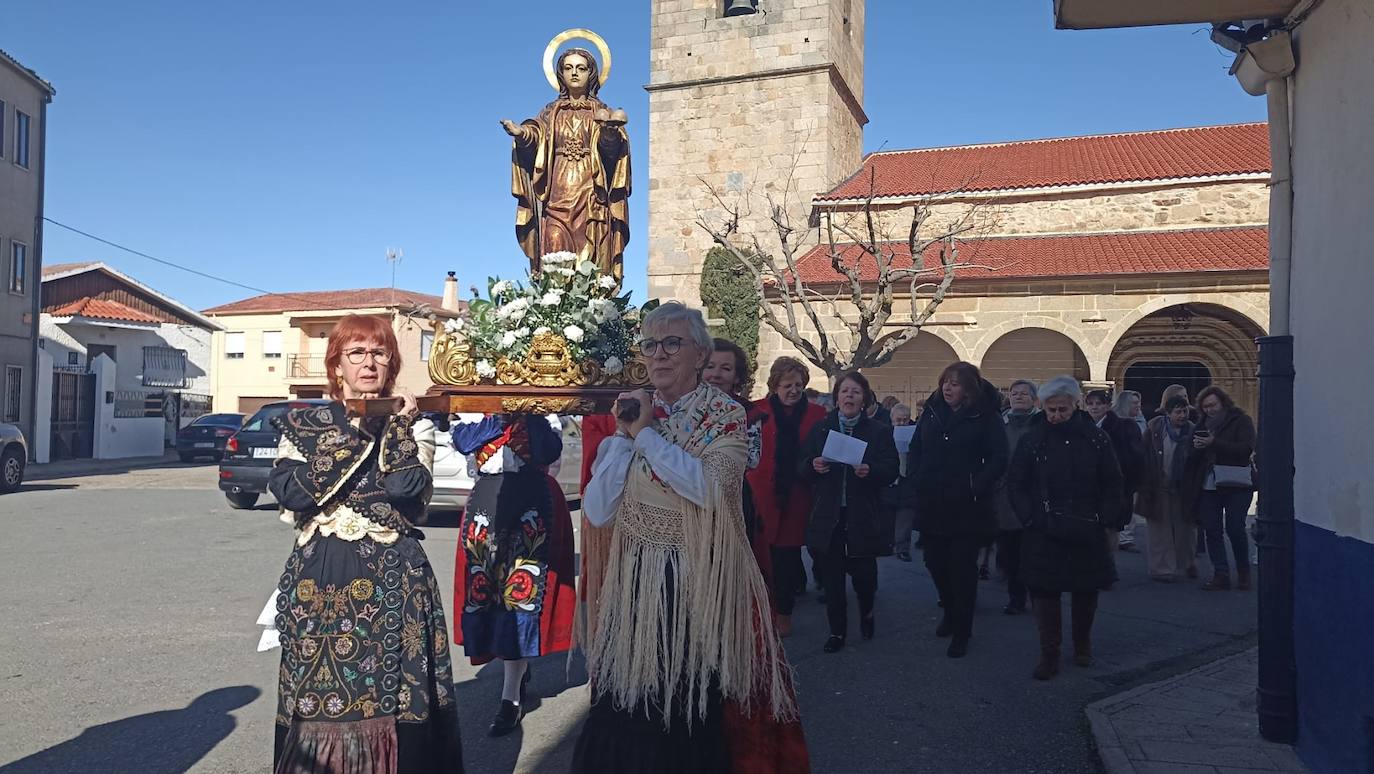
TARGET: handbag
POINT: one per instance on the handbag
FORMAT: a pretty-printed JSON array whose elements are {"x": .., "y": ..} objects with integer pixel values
[
  {"x": 1232, "y": 477},
  {"x": 1062, "y": 524}
]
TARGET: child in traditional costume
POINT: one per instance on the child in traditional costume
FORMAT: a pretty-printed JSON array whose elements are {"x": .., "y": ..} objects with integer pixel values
[{"x": 514, "y": 566}]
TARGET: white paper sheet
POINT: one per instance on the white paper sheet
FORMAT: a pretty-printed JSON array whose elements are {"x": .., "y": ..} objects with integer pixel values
[
  {"x": 902, "y": 436},
  {"x": 267, "y": 619},
  {"x": 843, "y": 448}
]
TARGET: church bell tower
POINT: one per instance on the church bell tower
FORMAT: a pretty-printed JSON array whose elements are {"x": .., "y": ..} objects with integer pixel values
[{"x": 746, "y": 95}]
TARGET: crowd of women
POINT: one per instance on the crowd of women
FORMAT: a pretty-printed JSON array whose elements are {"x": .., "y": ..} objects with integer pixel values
[{"x": 698, "y": 506}]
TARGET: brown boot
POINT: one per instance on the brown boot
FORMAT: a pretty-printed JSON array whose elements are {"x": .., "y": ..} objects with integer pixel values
[
  {"x": 1243, "y": 579},
  {"x": 1219, "y": 582},
  {"x": 1050, "y": 618},
  {"x": 1084, "y": 611}
]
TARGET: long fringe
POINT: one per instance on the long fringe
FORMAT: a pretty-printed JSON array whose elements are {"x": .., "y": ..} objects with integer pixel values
[{"x": 670, "y": 618}]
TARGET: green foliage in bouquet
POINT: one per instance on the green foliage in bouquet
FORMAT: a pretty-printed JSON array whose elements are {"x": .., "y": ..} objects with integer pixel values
[{"x": 568, "y": 296}]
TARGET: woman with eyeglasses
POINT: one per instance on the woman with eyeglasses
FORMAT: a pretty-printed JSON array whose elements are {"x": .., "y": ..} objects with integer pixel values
[
  {"x": 687, "y": 672},
  {"x": 366, "y": 678}
]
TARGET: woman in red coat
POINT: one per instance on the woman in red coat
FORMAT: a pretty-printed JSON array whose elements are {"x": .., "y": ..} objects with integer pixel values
[{"x": 781, "y": 496}]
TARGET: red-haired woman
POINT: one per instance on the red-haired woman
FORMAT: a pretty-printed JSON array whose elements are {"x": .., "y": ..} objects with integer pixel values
[
  {"x": 366, "y": 680},
  {"x": 782, "y": 494},
  {"x": 959, "y": 454}
]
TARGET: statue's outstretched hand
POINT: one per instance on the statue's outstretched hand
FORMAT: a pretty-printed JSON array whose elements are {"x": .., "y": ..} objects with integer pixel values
[{"x": 513, "y": 129}]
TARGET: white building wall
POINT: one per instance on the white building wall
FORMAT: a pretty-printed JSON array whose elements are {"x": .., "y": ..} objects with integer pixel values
[
  {"x": 62, "y": 339},
  {"x": 1333, "y": 267}
]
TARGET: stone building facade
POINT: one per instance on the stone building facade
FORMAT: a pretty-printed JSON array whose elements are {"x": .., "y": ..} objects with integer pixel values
[
  {"x": 764, "y": 105},
  {"x": 1130, "y": 261}
]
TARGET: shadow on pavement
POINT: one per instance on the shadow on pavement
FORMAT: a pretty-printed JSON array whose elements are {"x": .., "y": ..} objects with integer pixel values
[
  {"x": 85, "y": 467},
  {"x": 27, "y": 487},
  {"x": 480, "y": 697},
  {"x": 165, "y": 742}
]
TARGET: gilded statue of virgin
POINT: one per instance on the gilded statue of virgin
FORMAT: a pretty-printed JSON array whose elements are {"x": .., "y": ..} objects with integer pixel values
[{"x": 571, "y": 170}]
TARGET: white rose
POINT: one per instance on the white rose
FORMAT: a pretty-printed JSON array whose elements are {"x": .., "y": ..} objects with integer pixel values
[
  {"x": 562, "y": 256},
  {"x": 613, "y": 365},
  {"x": 552, "y": 298},
  {"x": 586, "y": 268},
  {"x": 522, "y": 332},
  {"x": 572, "y": 333},
  {"x": 504, "y": 286},
  {"x": 566, "y": 271},
  {"x": 508, "y": 339},
  {"x": 541, "y": 330},
  {"x": 454, "y": 325},
  {"x": 606, "y": 282},
  {"x": 517, "y": 314},
  {"x": 485, "y": 369}
]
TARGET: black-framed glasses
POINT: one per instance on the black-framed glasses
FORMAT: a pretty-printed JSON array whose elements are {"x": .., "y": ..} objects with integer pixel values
[
  {"x": 671, "y": 346},
  {"x": 357, "y": 355}
]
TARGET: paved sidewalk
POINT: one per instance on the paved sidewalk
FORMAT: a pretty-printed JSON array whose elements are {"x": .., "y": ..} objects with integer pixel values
[
  {"x": 87, "y": 467},
  {"x": 1199, "y": 722}
]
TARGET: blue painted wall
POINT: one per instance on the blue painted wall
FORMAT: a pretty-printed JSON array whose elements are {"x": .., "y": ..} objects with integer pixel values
[{"x": 1334, "y": 647}]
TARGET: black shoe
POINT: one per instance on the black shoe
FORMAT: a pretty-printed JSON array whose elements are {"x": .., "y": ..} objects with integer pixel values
[
  {"x": 524, "y": 684},
  {"x": 1013, "y": 609},
  {"x": 834, "y": 644},
  {"x": 866, "y": 627},
  {"x": 958, "y": 647},
  {"x": 507, "y": 719},
  {"x": 944, "y": 629}
]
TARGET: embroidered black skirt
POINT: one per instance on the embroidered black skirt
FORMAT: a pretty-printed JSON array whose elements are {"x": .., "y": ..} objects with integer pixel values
[{"x": 366, "y": 682}]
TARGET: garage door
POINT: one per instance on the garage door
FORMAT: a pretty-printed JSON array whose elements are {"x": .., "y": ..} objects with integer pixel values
[{"x": 251, "y": 405}]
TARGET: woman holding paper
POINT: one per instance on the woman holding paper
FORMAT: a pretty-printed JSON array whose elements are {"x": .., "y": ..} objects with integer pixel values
[
  {"x": 959, "y": 453},
  {"x": 849, "y": 458},
  {"x": 781, "y": 494}
]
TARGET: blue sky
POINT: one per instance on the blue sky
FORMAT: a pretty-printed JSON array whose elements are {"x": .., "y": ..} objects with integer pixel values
[{"x": 287, "y": 145}]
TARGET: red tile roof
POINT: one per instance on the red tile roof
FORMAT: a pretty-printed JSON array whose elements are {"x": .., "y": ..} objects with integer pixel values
[
  {"x": 1205, "y": 151},
  {"x": 101, "y": 309},
  {"x": 326, "y": 300},
  {"x": 1070, "y": 256}
]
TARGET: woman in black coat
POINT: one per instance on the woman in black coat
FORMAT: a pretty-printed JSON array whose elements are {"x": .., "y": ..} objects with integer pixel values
[
  {"x": 1065, "y": 486},
  {"x": 958, "y": 454},
  {"x": 849, "y": 528}
]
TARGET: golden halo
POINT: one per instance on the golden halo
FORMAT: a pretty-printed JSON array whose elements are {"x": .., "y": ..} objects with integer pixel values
[{"x": 576, "y": 34}]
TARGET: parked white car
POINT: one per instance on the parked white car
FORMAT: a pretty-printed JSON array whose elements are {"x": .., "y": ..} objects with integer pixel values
[
  {"x": 14, "y": 454},
  {"x": 453, "y": 472}
]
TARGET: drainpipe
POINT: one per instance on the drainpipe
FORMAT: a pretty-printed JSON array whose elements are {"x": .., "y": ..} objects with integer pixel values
[
  {"x": 1264, "y": 67},
  {"x": 37, "y": 279}
]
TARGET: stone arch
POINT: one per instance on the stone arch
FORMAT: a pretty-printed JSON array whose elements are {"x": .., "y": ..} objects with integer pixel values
[
  {"x": 1032, "y": 352},
  {"x": 980, "y": 350},
  {"x": 1255, "y": 316},
  {"x": 1213, "y": 335},
  {"x": 914, "y": 370}
]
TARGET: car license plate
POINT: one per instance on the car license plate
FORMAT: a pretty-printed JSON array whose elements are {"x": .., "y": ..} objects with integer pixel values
[
  {"x": 208, "y": 445},
  {"x": 264, "y": 452}
]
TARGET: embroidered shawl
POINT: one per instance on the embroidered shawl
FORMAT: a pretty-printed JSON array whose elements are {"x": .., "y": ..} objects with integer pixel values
[{"x": 675, "y": 602}]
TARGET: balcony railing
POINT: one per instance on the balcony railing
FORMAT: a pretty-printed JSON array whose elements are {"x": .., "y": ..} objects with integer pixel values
[{"x": 305, "y": 367}]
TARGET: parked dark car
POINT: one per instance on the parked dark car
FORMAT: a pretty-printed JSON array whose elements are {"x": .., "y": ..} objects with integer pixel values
[
  {"x": 14, "y": 454},
  {"x": 250, "y": 453},
  {"x": 206, "y": 436}
]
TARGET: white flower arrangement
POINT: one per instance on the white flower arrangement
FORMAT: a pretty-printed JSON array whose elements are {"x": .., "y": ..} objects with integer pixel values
[{"x": 570, "y": 296}]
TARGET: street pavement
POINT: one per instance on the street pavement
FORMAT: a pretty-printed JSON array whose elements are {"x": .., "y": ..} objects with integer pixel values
[{"x": 129, "y": 647}]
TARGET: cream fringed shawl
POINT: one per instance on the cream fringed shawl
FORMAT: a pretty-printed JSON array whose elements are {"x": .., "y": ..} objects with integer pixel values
[{"x": 674, "y": 599}]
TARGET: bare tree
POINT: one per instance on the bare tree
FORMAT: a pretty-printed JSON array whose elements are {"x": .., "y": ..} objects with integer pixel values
[{"x": 853, "y": 241}]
